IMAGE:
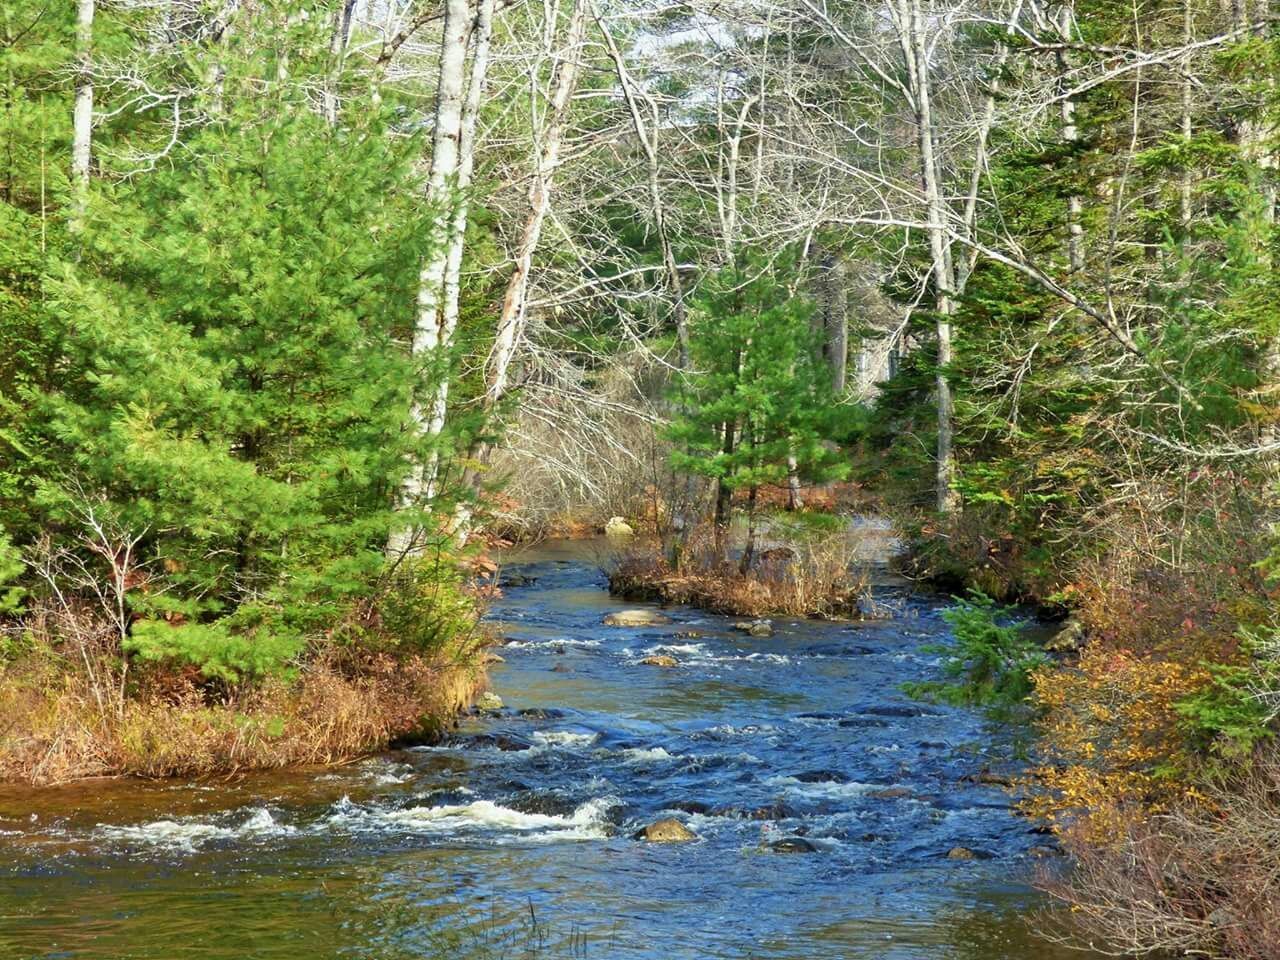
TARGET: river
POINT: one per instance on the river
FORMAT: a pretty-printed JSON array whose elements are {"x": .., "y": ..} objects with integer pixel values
[{"x": 513, "y": 839}]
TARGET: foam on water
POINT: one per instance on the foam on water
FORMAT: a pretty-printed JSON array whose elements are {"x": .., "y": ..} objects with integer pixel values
[
  {"x": 553, "y": 644},
  {"x": 188, "y": 835},
  {"x": 588, "y": 822},
  {"x": 565, "y": 738},
  {"x": 646, "y": 754}
]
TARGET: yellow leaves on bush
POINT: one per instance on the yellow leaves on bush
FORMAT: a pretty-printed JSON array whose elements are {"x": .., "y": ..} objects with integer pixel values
[{"x": 1112, "y": 743}]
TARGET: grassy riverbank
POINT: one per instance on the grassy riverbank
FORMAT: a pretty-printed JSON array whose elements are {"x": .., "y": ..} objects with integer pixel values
[{"x": 81, "y": 698}]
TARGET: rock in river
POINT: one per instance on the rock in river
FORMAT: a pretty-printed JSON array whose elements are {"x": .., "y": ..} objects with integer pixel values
[
  {"x": 792, "y": 845},
  {"x": 668, "y": 830},
  {"x": 635, "y": 618},
  {"x": 660, "y": 660},
  {"x": 890, "y": 793},
  {"x": 618, "y": 529},
  {"x": 961, "y": 853},
  {"x": 489, "y": 702},
  {"x": 755, "y": 628}
]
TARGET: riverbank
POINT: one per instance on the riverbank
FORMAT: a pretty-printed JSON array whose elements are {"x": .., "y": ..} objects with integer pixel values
[
  {"x": 55, "y": 730},
  {"x": 84, "y": 696}
]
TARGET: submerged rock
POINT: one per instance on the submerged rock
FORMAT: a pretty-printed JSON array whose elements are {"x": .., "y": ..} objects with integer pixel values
[
  {"x": 770, "y": 811},
  {"x": 505, "y": 742},
  {"x": 516, "y": 580},
  {"x": 489, "y": 702},
  {"x": 635, "y": 618},
  {"x": 820, "y": 776},
  {"x": 890, "y": 793},
  {"x": 546, "y": 803},
  {"x": 660, "y": 660},
  {"x": 961, "y": 853},
  {"x": 667, "y": 830},
  {"x": 755, "y": 628},
  {"x": 541, "y": 713},
  {"x": 1069, "y": 638},
  {"x": 689, "y": 806},
  {"x": 792, "y": 845}
]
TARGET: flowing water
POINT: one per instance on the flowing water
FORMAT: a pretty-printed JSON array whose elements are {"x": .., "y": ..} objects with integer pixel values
[{"x": 514, "y": 838}]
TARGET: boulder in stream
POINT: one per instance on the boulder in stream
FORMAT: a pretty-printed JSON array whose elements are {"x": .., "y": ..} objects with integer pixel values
[
  {"x": 755, "y": 628},
  {"x": 890, "y": 793},
  {"x": 660, "y": 660},
  {"x": 667, "y": 830},
  {"x": 618, "y": 529},
  {"x": 792, "y": 845},
  {"x": 489, "y": 702},
  {"x": 821, "y": 776},
  {"x": 1069, "y": 638},
  {"x": 635, "y": 618}
]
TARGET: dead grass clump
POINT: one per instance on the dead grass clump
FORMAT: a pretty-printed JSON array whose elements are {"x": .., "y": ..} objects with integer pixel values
[
  {"x": 56, "y": 729},
  {"x": 796, "y": 576}
]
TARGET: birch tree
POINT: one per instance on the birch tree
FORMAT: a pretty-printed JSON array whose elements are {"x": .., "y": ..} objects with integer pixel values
[{"x": 82, "y": 128}]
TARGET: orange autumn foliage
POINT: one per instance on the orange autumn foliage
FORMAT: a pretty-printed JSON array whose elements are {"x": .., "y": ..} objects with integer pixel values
[{"x": 1113, "y": 747}]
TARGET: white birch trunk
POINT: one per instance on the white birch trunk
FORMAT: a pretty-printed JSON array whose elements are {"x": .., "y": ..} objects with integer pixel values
[
  {"x": 440, "y": 188},
  {"x": 1070, "y": 136},
  {"x": 338, "y": 43},
  {"x": 916, "y": 54},
  {"x": 82, "y": 115},
  {"x": 481, "y": 37}
]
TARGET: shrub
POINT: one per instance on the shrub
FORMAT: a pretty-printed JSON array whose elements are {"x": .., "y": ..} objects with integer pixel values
[
  {"x": 1235, "y": 709},
  {"x": 215, "y": 649},
  {"x": 1114, "y": 746},
  {"x": 1198, "y": 879},
  {"x": 990, "y": 663},
  {"x": 812, "y": 570},
  {"x": 11, "y": 566}
]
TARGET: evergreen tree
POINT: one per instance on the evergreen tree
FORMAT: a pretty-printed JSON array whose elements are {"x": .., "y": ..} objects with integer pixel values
[
  {"x": 757, "y": 403},
  {"x": 232, "y": 380}
]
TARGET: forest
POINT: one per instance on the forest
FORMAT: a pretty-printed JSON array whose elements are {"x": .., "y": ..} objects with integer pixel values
[{"x": 313, "y": 315}]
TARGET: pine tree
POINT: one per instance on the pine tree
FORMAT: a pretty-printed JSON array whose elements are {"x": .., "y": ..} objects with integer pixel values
[
  {"x": 757, "y": 402},
  {"x": 233, "y": 383}
]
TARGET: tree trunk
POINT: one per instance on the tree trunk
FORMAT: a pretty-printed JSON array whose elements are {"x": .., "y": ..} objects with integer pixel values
[
  {"x": 440, "y": 189},
  {"x": 341, "y": 37},
  {"x": 724, "y": 494},
  {"x": 915, "y": 49},
  {"x": 837, "y": 324},
  {"x": 513, "y": 316},
  {"x": 1070, "y": 137},
  {"x": 794, "y": 500},
  {"x": 511, "y": 321},
  {"x": 749, "y": 551},
  {"x": 481, "y": 36},
  {"x": 82, "y": 117}
]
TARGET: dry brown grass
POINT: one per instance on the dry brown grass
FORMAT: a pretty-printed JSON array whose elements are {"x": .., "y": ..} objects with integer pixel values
[
  {"x": 55, "y": 729},
  {"x": 813, "y": 577}
]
